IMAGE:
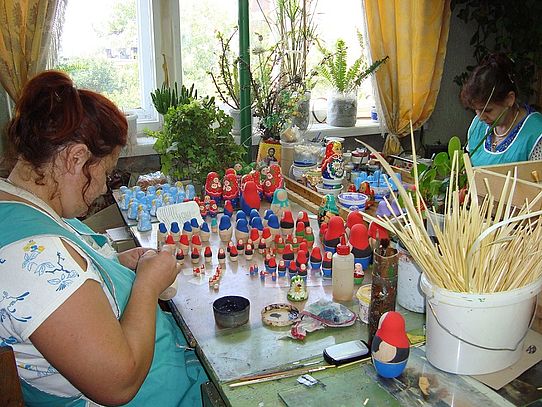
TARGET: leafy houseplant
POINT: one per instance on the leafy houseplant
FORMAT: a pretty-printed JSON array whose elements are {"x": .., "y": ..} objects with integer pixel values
[
  {"x": 342, "y": 106},
  {"x": 196, "y": 140},
  {"x": 166, "y": 97},
  {"x": 433, "y": 180},
  {"x": 503, "y": 26}
]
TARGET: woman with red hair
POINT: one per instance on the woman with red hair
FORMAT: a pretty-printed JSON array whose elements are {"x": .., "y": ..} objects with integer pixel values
[{"x": 83, "y": 325}]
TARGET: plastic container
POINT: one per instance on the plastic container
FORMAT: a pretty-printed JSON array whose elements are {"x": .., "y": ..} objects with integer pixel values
[
  {"x": 473, "y": 334},
  {"x": 364, "y": 298},
  {"x": 409, "y": 294},
  {"x": 343, "y": 273},
  {"x": 307, "y": 154},
  {"x": 350, "y": 199}
]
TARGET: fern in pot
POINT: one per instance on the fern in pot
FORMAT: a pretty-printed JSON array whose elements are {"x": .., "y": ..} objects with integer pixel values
[{"x": 342, "y": 103}]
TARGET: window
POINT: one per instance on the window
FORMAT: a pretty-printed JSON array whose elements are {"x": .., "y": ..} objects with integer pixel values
[
  {"x": 107, "y": 46},
  {"x": 199, "y": 43},
  {"x": 118, "y": 47}
]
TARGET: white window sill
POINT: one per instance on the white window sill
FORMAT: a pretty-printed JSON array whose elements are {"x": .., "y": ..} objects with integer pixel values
[
  {"x": 363, "y": 127},
  {"x": 144, "y": 146}
]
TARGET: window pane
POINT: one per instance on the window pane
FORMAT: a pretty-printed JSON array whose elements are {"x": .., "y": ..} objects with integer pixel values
[
  {"x": 100, "y": 49},
  {"x": 335, "y": 23},
  {"x": 200, "y": 20}
]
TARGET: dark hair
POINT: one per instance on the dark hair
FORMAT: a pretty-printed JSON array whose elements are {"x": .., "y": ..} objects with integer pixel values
[
  {"x": 52, "y": 114},
  {"x": 494, "y": 71}
]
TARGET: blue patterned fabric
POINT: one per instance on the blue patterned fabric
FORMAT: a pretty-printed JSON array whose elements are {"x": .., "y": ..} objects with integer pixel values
[
  {"x": 175, "y": 375},
  {"x": 516, "y": 147}
]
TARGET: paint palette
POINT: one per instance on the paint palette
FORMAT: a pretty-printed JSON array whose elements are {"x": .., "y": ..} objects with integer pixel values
[{"x": 279, "y": 314}]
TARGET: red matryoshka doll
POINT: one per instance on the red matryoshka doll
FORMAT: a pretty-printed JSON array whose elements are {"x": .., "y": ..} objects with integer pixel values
[
  {"x": 250, "y": 198},
  {"x": 230, "y": 189},
  {"x": 273, "y": 180},
  {"x": 213, "y": 187}
]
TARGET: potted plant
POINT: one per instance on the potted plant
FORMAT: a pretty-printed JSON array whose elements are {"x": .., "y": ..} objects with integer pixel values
[
  {"x": 342, "y": 103},
  {"x": 196, "y": 140},
  {"x": 274, "y": 98},
  {"x": 434, "y": 182},
  {"x": 168, "y": 96}
]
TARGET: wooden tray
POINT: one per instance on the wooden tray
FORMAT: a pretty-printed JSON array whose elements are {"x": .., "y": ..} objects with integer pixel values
[
  {"x": 526, "y": 186},
  {"x": 309, "y": 198}
]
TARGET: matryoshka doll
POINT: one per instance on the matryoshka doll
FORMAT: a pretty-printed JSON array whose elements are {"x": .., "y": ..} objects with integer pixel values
[
  {"x": 359, "y": 240},
  {"x": 254, "y": 176},
  {"x": 333, "y": 164},
  {"x": 213, "y": 187},
  {"x": 230, "y": 189},
  {"x": 250, "y": 199},
  {"x": 213, "y": 208},
  {"x": 280, "y": 202},
  {"x": 334, "y": 232},
  {"x": 390, "y": 346},
  {"x": 353, "y": 218},
  {"x": 327, "y": 209},
  {"x": 273, "y": 180}
]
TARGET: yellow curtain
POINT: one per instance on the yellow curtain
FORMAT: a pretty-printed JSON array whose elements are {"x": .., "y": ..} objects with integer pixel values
[
  {"x": 26, "y": 28},
  {"x": 413, "y": 33}
]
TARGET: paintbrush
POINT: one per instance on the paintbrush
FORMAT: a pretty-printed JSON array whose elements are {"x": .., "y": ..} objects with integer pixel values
[
  {"x": 294, "y": 366},
  {"x": 280, "y": 375}
]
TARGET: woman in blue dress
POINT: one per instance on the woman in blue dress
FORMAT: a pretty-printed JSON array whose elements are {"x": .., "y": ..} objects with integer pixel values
[{"x": 503, "y": 130}]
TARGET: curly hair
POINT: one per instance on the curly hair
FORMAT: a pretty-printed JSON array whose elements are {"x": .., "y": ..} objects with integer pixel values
[{"x": 53, "y": 114}]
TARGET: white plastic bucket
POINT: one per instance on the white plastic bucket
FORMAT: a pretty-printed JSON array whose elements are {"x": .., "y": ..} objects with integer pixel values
[
  {"x": 409, "y": 293},
  {"x": 477, "y": 333}
]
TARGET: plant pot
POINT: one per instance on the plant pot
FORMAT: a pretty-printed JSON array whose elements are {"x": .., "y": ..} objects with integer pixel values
[
  {"x": 302, "y": 116},
  {"x": 132, "y": 128},
  {"x": 437, "y": 218},
  {"x": 342, "y": 109},
  {"x": 236, "y": 115}
]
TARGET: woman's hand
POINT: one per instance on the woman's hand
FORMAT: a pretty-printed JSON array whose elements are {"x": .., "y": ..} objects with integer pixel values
[
  {"x": 130, "y": 258},
  {"x": 157, "y": 269}
]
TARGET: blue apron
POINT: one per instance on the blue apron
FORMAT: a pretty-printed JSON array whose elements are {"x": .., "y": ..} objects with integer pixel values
[
  {"x": 175, "y": 374},
  {"x": 519, "y": 149}
]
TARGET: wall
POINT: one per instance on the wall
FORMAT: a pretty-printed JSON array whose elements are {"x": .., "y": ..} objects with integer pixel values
[{"x": 449, "y": 117}]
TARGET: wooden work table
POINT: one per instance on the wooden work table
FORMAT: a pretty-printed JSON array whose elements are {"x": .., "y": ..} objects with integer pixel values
[
  {"x": 253, "y": 347},
  {"x": 230, "y": 354}
]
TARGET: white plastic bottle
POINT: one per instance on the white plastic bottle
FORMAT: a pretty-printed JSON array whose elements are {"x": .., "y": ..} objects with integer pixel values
[{"x": 343, "y": 273}]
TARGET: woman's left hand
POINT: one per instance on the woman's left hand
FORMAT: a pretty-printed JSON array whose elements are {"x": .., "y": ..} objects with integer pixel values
[{"x": 129, "y": 258}]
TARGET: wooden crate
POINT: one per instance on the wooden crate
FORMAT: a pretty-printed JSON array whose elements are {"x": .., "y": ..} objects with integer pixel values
[
  {"x": 308, "y": 198},
  {"x": 526, "y": 186}
]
